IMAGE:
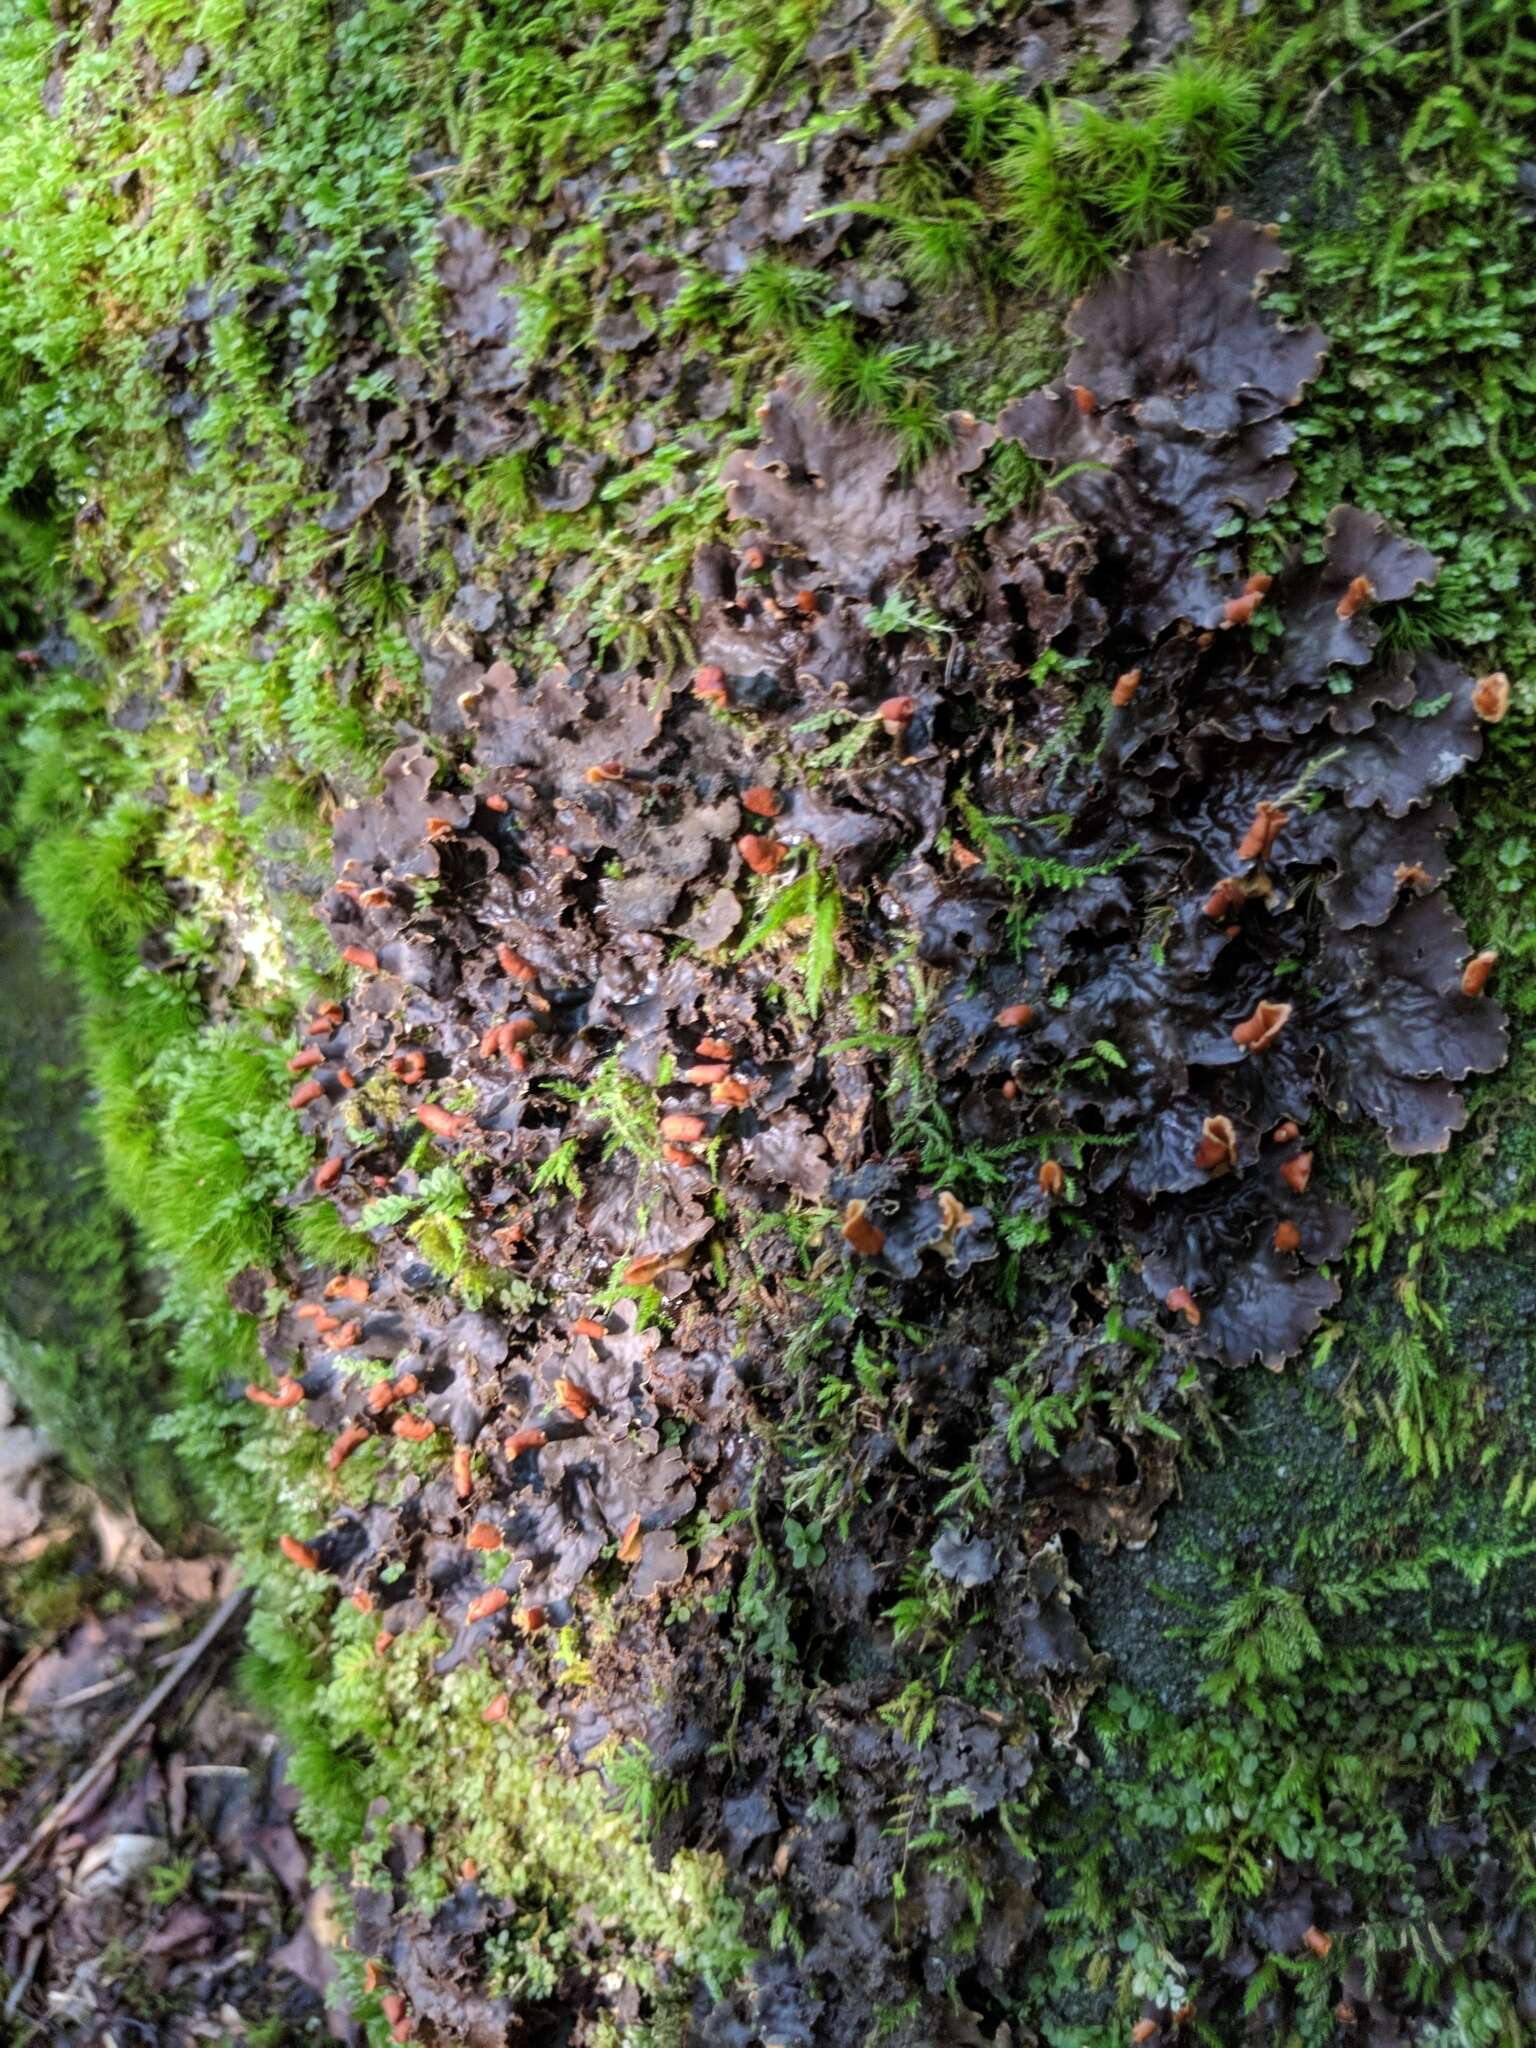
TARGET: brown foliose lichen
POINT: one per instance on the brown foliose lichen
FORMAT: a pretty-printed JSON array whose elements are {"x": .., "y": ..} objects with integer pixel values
[{"x": 895, "y": 936}]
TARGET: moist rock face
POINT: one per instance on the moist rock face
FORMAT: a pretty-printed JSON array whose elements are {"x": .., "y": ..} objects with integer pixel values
[{"x": 750, "y": 1064}]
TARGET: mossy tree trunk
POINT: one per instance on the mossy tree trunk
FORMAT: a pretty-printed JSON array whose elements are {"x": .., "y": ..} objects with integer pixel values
[{"x": 893, "y": 1538}]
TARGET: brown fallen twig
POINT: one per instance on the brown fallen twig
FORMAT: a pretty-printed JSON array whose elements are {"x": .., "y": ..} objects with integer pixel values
[
  {"x": 18, "y": 1990},
  {"x": 88, "y": 1692},
  {"x": 23, "y": 1665},
  {"x": 137, "y": 1721}
]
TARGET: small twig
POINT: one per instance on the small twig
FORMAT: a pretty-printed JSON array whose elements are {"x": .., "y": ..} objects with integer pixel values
[
  {"x": 18, "y": 1990},
  {"x": 236, "y": 1961},
  {"x": 23, "y": 1665},
  {"x": 1391, "y": 42},
  {"x": 86, "y": 1692},
  {"x": 136, "y": 1722}
]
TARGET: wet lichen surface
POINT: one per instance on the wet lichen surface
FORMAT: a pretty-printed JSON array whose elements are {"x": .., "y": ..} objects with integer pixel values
[{"x": 786, "y": 788}]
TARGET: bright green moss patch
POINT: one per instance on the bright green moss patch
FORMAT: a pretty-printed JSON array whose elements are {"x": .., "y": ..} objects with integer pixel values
[{"x": 556, "y": 1842}]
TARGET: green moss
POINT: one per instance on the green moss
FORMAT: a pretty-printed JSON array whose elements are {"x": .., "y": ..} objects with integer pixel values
[
  {"x": 321, "y": 1236},
  {"x": 1084, "y": 181},
  {"x": 50, "y": 1594},
  {"x": 72, "y": 1340},
  {"x": 1324, "y": 1770},
  {"x": 552, "y": 1840}
]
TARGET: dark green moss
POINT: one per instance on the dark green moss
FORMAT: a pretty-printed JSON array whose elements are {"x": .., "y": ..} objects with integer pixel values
[{"x": 73, "y": 1305}]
